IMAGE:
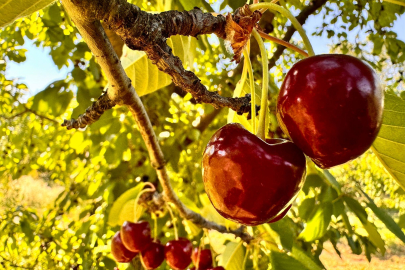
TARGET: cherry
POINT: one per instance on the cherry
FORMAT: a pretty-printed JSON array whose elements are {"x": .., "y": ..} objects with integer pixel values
[
  {"x": 119, "y": 251},
  {"x": 153, "y": 256},
  {"x": 178, "y": 253},
  {"x": 249, "y": 180},
  {"x": 136, "y": 236},
  {"x": 216, "y": 268},
  {"x": 281, "y": 215},
  {"x": 331, "y": 107},
  {"x": 204, "y": 260}
]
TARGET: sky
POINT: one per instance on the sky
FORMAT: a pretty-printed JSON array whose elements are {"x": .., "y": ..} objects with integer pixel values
[{"x": 38, "y": 71}]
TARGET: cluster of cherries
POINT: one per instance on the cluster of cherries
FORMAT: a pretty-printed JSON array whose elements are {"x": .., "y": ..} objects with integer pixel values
[
  {"x": 330, "y": 106},
  {"x": 135, "y": 238}
]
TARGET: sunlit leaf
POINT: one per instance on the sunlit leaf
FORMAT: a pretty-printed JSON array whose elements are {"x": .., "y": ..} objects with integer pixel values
[
  {"x": 145, "y": 76},
  {"x": 123, "y": 207},
  {"x": 232, "y": 258},
  {"x": 318, "y": 224},
  {"x": 390, "y": 143},
  {"x": 12, "y": 10}
]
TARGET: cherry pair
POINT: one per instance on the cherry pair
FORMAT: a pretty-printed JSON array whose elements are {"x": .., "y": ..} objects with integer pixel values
[{"x": 135, "y": 238}]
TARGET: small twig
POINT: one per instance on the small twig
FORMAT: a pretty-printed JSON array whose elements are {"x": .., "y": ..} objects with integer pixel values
[
  {"x": 283, "y": 43},
  {"x": 92, "y": 113}
]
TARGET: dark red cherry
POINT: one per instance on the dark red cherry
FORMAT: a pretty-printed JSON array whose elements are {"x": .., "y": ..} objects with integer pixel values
[
  {"x": 119, "y": 251},
  {"x": 136, "y": 236},
  {"x": 331, "y": 107},
  {"x": 249, "y": 180},
  {"x": 178, "y": 253},
  {"x": 153, "y": 256},
  {"x": 217, "y": 268},
  {"x": 204, "y": 259},
  {"x": 281, "y": 215}
]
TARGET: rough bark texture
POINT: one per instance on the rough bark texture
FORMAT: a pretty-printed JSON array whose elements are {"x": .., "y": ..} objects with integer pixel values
[
  {"x": 92, "y": 114},
  {"x": 148, "y": 32}
]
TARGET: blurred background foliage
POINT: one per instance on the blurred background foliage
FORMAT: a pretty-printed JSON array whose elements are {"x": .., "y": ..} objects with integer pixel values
[{"x": 57, "y": 187}]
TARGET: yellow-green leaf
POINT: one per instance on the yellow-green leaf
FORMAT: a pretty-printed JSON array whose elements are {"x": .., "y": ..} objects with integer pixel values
[
  {"x": 123, "y": 208},
  {"x": 12, "y": 10},
  {"x": 145, "y": 76},
  {"x": 390, "y": 143}
]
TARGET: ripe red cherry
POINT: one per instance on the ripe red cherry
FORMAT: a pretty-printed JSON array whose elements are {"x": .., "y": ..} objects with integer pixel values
[
  {"x": 178, "y": 253},
  {"x": 119, "y": 251},
  {"x": 249, "y": 180},
  {"x": 153, "y": 256},
  {"x": 280, "y": 216},
  {"x": 204, "y": 260},
  {"x": 331, "y": 107},
  {"x": 136, "y": 236}
]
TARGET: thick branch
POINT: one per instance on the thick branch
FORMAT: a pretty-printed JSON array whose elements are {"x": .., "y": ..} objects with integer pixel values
[
  {"x": 148, "y": 32},
  {"x": 302, "y": 17},
  {"x": 122, "y": 92}
]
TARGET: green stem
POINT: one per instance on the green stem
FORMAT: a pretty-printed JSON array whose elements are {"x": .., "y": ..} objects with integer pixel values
[
  {"x": 252, "y": 89},
  {"x": 176, "y": 236},
  {"x": 285, "y": 12},
  {"x": 261, "y": 131},
  {"x": 152, "y": 189},
  {"x": 155, "y": 228}
]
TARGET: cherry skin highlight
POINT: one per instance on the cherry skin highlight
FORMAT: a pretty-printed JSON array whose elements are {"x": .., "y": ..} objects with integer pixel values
[
  {"x": 119, "y": 251},
  {"x": 153, "y": 256},
  {"x": 178, "y": 253},
  {"x": 280, "y": 216},
  {"x": 204, "y": 260},
  {"x": 331, "y": 107},
  {"x": 249, "y": 180},
  {"x": 136, "y": 236}
]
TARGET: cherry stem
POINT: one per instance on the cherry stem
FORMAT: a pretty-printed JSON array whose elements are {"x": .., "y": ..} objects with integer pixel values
[
  {"x": 151, "y": 189},
  {"x": 285, "y": 12},
  {"x": 155, "y": 228},
  {"x": 245, "y": 258},
  {"x": 252, "y": 89},
  {"x": 261, "y": 131},
  {"x": 283, "y": 43},
  {"x": 176, "y": 236}
]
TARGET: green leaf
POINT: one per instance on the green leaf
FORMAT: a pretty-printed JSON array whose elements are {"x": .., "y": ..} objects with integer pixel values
[
  {"x": 318, "y": 224},
  {"x": 384, "y": 217},
  {"x": 285, "y": 230},
  {"x": 374, "y": 236},
  {"x": 390, "y": 143},
  {"x": 232, "y": 258},
  {"x": 145, "y": 76},
  {"x": 53, "y": 100},
  {"x": 12, "y": 10},
  {"x": 332, "y": 181},
  {"x": 124, "y": 206},
  {"x": 305, "y": 258},
  {"x": 356, "y": 208},
  {"x": 306, "y": 207},
  {"x": 281, "y": 261},
  {"x": 312, "y": 180}
]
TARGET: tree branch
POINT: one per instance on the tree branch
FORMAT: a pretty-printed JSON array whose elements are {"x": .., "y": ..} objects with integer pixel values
[
  {"x": 148, "y": 32},
  {"x": 122, "y": 92},
  {"x": 302, "y": 17},
  {"x": 92, "y": 114}
]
